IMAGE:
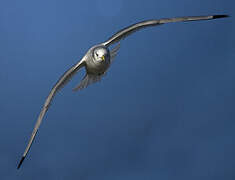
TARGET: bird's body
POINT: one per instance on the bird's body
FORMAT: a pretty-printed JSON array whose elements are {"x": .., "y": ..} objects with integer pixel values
[
  {"x": 97, "y": 61},
  {"x": 96, "y": 67}
]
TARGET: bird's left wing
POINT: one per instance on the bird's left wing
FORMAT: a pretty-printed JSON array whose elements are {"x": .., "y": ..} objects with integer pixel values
[
  {"x": 60, "y": 83},
  {"x": 135, "y": 27}
]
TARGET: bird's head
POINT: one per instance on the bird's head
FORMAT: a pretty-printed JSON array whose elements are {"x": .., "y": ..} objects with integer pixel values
[{"x": 101, "y": 54}]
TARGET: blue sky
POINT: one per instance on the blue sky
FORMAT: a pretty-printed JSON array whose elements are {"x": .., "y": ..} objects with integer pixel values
[{"x": 165, "y": 110}]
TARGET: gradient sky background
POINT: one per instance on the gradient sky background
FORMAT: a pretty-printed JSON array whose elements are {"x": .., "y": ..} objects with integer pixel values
[{"x": 165, "y": 110}]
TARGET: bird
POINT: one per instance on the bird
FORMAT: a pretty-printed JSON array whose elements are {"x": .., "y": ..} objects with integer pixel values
[{"x": 97, "y": 61}]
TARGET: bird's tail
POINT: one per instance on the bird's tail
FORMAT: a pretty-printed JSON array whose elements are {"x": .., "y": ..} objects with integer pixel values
[{"x": 87, "y": 80}]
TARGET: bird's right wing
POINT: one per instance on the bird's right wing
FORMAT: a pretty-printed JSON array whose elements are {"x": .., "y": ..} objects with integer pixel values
[
  {"x": 135, "y": 27},
  {"x": 62, "y": 81}
]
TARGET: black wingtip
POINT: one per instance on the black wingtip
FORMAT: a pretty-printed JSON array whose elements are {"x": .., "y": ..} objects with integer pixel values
[
  {"x": 220, "y": 16},
  {"x": 21, "y": 161}
]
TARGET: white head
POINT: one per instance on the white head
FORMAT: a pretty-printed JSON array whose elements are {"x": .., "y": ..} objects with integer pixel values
[{"x": 101, "y": 54}]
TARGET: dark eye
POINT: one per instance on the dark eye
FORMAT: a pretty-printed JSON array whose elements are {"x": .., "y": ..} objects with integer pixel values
[{"x": 96, "y": 54}]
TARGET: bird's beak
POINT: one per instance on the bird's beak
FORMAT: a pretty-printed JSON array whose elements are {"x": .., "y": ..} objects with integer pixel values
[{"x": 103, "y": 58}]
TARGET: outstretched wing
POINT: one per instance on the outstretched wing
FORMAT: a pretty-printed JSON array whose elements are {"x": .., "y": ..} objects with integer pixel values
[
  {"x": 62, "y": 81},
  {"x": 135, "y": 27}
]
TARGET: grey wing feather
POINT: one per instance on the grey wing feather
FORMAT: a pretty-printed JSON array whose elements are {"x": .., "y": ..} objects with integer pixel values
[
  {"x": 62, "y": 81},
  {"x": 87, "y": 80},
  {"x": 135, "y": 27},
  {"x": 114, "y": 52}
]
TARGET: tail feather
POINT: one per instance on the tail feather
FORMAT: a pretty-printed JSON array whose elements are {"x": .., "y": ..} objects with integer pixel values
[{"x": 87, "y": 80}]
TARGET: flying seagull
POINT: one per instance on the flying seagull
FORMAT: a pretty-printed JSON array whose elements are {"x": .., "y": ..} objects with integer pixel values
[{"x": 97, "y": 61}]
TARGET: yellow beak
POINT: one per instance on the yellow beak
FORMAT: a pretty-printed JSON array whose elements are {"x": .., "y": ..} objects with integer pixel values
[{"x": 103, "y": 58}]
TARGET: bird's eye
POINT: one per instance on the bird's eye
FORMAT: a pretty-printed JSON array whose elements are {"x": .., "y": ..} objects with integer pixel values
[{"x": 97, "y": 54}]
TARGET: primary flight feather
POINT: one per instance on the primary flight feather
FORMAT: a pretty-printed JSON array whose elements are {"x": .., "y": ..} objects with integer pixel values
[{"x": 97, "y": 61}]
